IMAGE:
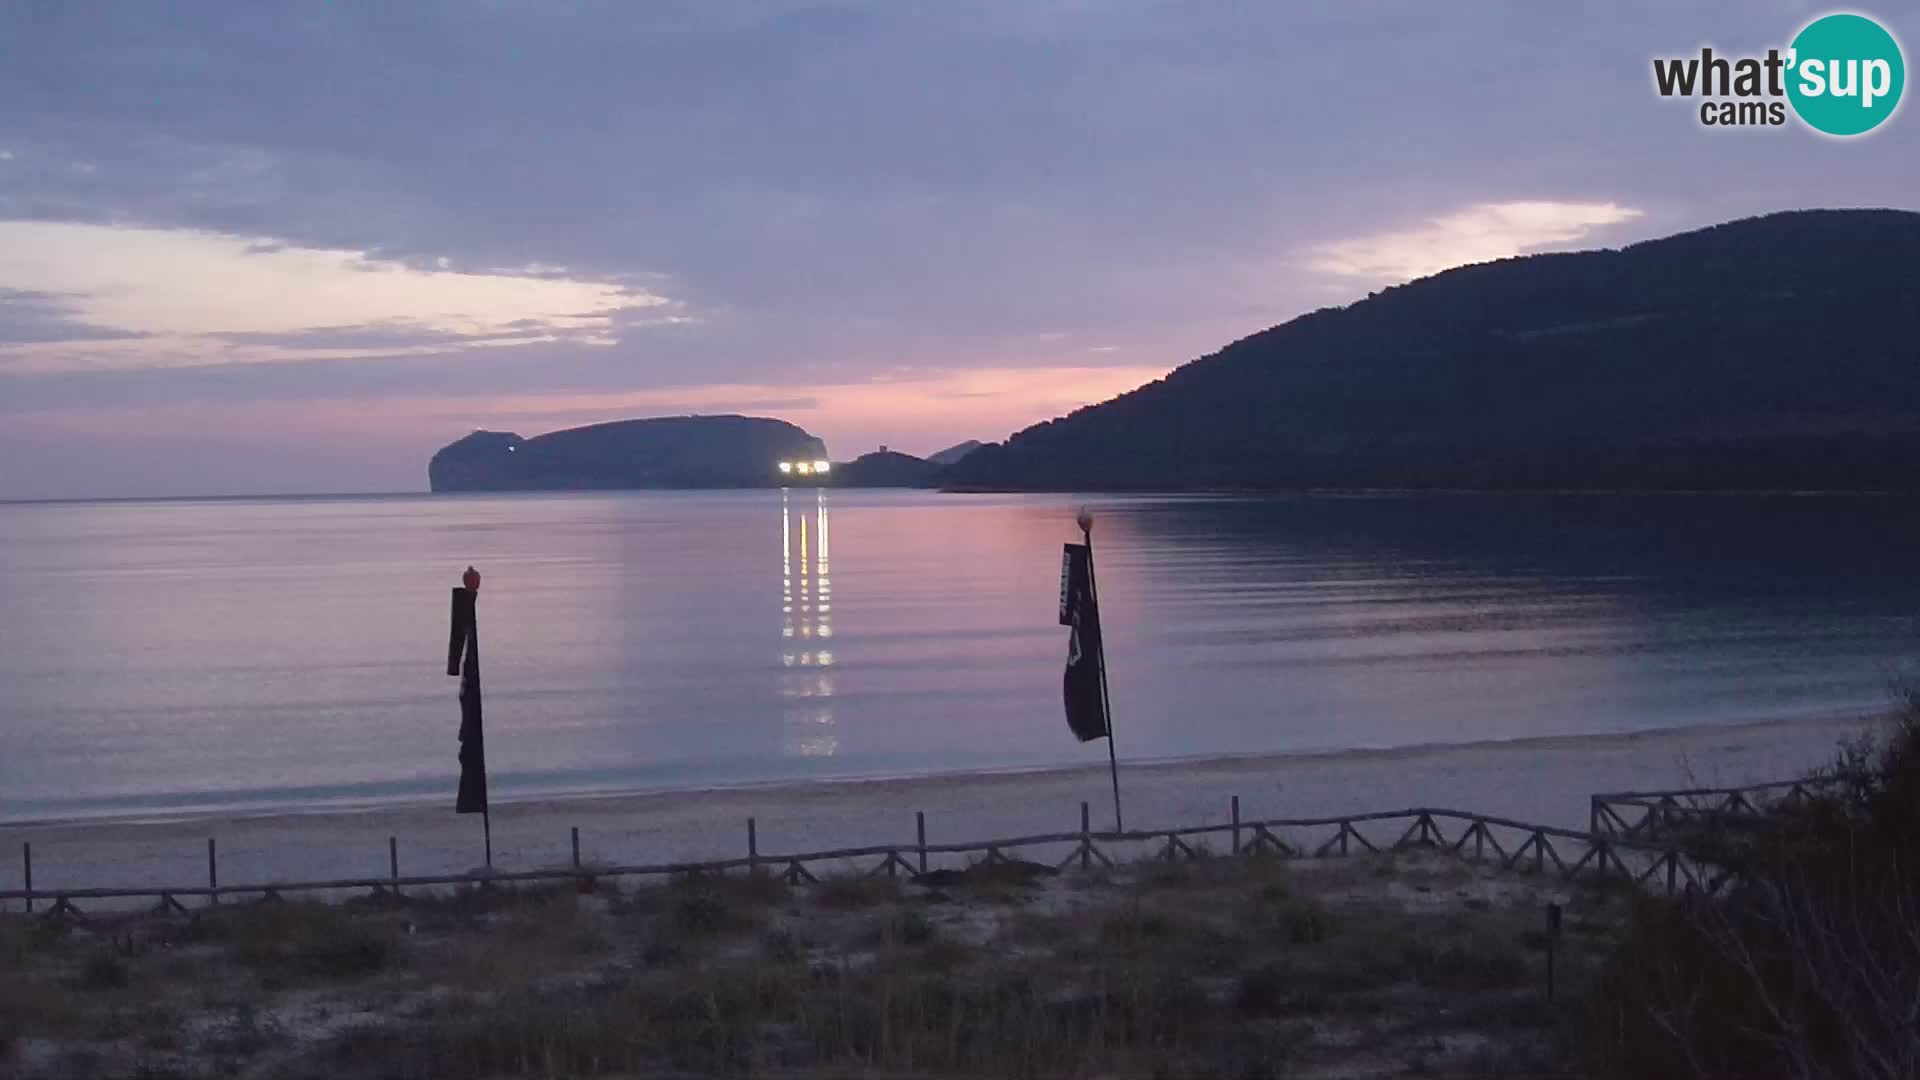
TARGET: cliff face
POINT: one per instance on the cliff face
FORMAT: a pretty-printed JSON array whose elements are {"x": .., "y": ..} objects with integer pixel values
[
  {"x": 1779, "y": 352},
  {"x": 664, "y": 452}
]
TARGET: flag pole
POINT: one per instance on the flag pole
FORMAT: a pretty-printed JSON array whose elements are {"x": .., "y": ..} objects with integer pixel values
[
  {"x": 1106, "y": 706},
  {"x": 473, "y": 671}
]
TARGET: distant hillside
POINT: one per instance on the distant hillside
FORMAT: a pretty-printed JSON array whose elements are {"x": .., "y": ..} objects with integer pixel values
[
  {"x": 666, "y": 452},
  {"x": 1779, "y": 352},
  {"x": 952, "y": 454},
  {"x": 884, "y": 468}
]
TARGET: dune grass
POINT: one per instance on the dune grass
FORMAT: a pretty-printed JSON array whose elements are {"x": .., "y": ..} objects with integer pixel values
[{"x": 1220, "y": 967}]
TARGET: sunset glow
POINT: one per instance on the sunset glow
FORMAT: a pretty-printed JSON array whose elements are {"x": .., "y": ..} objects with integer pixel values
[
  {"x": 239, "y": 258},
  {"x": 137, "y": 298}
]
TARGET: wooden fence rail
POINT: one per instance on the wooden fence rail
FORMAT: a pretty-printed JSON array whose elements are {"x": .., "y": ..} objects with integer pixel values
[
  {"x": 1509, "y": 844},
  {"x": 1647, "y": 815}
]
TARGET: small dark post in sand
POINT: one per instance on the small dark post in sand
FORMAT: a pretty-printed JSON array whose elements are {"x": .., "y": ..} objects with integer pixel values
[
  {"x": 1553, "y": 944},
  {"x": 920, "y": 829},
  {"x": 463, "y": 660}
]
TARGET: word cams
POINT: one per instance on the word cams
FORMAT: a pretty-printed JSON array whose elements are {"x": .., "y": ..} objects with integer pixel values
[{"x": 1754, "y": 89}]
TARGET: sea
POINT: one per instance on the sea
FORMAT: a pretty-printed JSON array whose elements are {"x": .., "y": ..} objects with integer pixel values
[{"x": 171, "y": 658}]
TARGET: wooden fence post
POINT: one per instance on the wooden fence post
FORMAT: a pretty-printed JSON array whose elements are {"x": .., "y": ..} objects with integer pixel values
[
  {"x": 920, "y": 830},
  {"x": 1553, "y": 944},
  {"x": 1603, "y": 847},
  {"x": 1086, "y": 839}
]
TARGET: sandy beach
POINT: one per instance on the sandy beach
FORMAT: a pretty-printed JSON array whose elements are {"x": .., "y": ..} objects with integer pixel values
[{"x": 1545, "y": 781}]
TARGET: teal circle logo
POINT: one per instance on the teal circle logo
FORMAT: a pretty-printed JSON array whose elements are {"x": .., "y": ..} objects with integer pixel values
[{"x": 1846, "y": 74}]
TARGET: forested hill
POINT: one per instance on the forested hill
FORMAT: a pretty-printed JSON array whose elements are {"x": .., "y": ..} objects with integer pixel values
[{"x": 1772, "y": 353}]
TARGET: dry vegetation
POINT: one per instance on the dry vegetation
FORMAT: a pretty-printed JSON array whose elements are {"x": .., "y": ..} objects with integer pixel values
[
  {"x": 1809, "y": 968},
  {"x": 1415, "y": 965}
]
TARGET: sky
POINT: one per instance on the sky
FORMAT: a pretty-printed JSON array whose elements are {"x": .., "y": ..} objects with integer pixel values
[{"x": 256, "y": 247}]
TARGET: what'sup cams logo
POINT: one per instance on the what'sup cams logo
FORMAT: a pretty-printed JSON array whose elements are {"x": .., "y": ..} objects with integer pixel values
[{"x": 1842, "y": 76}]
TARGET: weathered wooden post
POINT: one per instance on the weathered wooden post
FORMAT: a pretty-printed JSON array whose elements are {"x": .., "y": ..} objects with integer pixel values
[
  {"x": 753, "y": 847},
  {"x": 213, "y": 874},
  {"x": 1236, "y": 824},
  {"x": 1086, "y": 837},
  {"x": 920, "y": 831},
  {"x": 576, "y": 847},
  {"x": 393, "y": 863},
  {"x": 26, "y": 859},
  {"x": 1553, "y": 943}
]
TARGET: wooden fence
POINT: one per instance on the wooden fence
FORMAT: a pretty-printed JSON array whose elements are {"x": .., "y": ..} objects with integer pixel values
[
  {"x": 1511, "y": 845},
  {"x": 1651, "y": 816}
]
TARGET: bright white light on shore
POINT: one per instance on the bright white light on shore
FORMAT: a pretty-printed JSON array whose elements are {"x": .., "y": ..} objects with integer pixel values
[
  {"x": 786, "y": 466},
  {"x": 821, "y": 466}
]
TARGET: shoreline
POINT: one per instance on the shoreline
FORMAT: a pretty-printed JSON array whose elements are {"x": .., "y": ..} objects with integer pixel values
[
  {"x": 1543, "y": 780},
  {"x": 1194, "y": 492},
  {"x": 1250, "y": 759}
]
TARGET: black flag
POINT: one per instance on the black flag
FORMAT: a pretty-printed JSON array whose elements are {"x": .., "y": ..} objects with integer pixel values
[
  {"x": 463, "y": 659},
  {"x": 1086, "y": 705}
]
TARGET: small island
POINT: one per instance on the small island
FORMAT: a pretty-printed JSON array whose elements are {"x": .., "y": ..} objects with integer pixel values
[{"x": 660, "y": 452}]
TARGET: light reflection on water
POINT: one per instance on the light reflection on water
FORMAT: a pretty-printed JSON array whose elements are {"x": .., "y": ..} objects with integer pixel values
[
  {"x": 806, "y": 623},
  {"x": 273, "y": 653}
]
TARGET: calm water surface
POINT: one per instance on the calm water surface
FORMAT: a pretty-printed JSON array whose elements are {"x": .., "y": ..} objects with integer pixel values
[{"x": 171, "y": 657}]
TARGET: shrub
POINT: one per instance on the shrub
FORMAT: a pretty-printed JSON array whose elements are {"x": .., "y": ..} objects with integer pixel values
[
  {"x": 782, "y": 947},
  {"x": 1806, "y": 966},
  {"x": 1474, "y": 958},
  {"x": 662, "y": 954},
  {"x": 854, "y": 893},
  {"x": 1261, "y": 992},
  {"x": 906, "y": 926},
  {"x": 1306, "y": 921},
  {"x": 104, "y": 970},
  {"x": 285, "y": 942},
  {"x": 701, "y": 913}
]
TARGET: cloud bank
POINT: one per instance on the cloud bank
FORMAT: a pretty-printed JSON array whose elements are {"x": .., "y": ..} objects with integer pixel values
[
  {"x": 126, "y": 297},
  {"x": 1475, "y": 234}
]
